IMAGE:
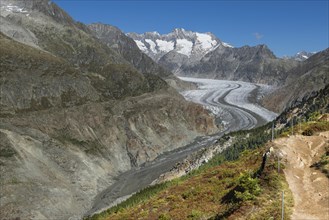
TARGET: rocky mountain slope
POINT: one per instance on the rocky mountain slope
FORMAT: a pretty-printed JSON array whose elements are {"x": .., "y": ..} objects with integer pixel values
[
  {"x": 302, "y": 82},
  {"x": 114, "y": 38},
  {"x": 252, "y": 64},
  {"x": 75, "y": 113},
  {"x": 127, "y": 48}
]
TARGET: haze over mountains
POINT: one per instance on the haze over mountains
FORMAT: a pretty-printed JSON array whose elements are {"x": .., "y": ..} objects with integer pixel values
[{"x": 81, "y": 104}]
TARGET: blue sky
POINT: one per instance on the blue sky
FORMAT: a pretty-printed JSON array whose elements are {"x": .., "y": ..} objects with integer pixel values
[{"x": 287, "y": 27}]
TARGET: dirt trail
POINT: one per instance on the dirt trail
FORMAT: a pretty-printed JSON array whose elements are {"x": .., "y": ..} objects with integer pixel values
[{"x": 309, "y": 186}]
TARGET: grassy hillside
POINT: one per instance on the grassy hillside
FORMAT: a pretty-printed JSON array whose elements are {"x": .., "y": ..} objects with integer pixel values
[{"x": 229, "y": 190}]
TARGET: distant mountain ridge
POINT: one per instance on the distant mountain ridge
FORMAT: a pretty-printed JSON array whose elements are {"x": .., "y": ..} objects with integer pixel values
[
  {"x": 178, "y": 47},
  {"x": 300, "y": 56},
  {"x": 189, "y": 53},
  {"x": 191, "y": 44}
]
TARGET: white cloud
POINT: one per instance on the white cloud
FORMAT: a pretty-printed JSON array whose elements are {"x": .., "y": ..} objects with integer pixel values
[{"x": 258, "y": 36}]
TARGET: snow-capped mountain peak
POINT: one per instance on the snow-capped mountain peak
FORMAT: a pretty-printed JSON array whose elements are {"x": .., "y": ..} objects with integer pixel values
[
  {"x": 193, "y": 45},
  {"x": 300, "y": 56}
]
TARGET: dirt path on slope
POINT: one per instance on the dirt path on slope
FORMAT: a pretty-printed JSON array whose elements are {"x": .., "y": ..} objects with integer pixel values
[{"x": 309, "y": 186}]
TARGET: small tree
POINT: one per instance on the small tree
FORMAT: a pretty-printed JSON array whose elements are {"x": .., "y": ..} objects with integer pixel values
[{"x": 247, "y": 188}]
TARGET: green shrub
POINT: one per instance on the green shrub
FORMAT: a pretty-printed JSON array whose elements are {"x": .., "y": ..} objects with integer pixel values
[
  {"x": 195, "y": 214},
  {"x": 164, "y": 216},
  {"x": 247, "y": 188}
]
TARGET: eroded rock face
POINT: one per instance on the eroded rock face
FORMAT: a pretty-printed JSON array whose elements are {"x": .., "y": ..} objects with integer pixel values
[{"x": 76, "y": 152}]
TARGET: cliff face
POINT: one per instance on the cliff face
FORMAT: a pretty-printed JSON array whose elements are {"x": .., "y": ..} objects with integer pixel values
[{"x": 75, "y": 113}]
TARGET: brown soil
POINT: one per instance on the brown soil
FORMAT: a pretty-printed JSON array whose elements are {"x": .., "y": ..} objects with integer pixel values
[{"x": 309, "y": 186}]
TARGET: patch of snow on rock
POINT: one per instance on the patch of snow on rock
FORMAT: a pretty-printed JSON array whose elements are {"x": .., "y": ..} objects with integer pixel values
[
  {"x": 14, "y": 8},
  {"x": 152, "y": 45},
  {"x": 165, "y": 46},
  {"x": 206, "y": 41},
  {"x": 227, "y": 45},
  {"x": 184, "y": 47},
  {"x": 141, "y": 45}
]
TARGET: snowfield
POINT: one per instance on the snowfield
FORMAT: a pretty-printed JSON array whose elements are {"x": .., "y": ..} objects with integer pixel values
[
  {"x": 229, "y": 101},
  {"x": 184, "y": 46},
  {"x": 206, "y": 41},
  {"x": 141, "y": 45},
  {"x": 152, "y": 45},
  {"x": 165, "y": 46}
]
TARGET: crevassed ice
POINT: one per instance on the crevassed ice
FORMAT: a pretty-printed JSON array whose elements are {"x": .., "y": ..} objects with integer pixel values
[{"x": 239, "y": 92}]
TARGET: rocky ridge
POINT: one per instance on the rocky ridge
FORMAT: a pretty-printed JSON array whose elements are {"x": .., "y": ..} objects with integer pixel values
[
  {"x": 302, "y": 82},
  {"x": 255, "y": 64},
  {"x": 114, "y": 38}
]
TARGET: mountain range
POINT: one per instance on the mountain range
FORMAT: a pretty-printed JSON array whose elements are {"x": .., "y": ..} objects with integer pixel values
[{"x": 188, "y": 53}]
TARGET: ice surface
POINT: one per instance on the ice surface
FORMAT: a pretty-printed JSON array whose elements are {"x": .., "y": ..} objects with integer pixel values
[{"x": 210, "y": 90}]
